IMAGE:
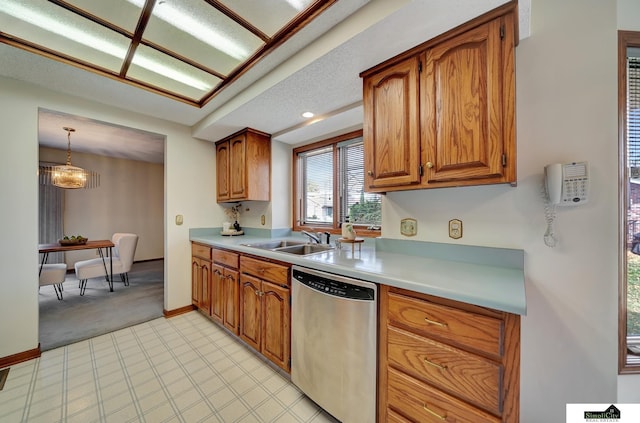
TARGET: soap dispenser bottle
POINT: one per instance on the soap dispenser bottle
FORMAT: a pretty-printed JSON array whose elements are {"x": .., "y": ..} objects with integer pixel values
[{"x": 347, "y": 229}]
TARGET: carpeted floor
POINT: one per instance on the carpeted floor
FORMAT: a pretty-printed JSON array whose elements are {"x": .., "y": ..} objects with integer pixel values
[{"x": 99, "y": 311}]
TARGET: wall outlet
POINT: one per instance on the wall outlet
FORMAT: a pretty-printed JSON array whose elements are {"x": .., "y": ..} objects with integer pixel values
[
  {"x": 455, "y": 228},
  {"x": 408, "y": 227}
]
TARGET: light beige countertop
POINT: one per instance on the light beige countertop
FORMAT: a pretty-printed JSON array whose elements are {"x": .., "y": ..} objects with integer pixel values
[{"x": 484, "y": 276}]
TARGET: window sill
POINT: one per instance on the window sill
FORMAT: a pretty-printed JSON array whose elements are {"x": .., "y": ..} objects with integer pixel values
[{"x": 361, "y": 233}]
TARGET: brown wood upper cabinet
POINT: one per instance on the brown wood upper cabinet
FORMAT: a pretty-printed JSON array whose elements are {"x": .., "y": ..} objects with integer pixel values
[
  {"x": 443, "y": 113},
  {"x": 243, "y": 167}
]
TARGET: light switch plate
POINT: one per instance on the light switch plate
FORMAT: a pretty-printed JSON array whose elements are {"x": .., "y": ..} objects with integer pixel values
[
  {"x": 408, "y": 227},
  {"x": 455, "y": 228}
]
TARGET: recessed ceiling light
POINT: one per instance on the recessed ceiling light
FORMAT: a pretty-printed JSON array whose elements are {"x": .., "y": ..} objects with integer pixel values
[{"x": 307, "y": 115}]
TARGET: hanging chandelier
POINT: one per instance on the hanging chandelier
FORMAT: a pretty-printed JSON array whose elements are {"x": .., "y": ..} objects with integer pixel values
[{"x": 68, "y": 176}]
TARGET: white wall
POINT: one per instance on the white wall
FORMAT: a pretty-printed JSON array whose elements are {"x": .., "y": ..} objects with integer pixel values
[
  {"x": 277, "y": 212},
  {"x": 189, "y": 174},
  {"x": 566, "y": 111},
  {"x": 130, "y": 198},
  {"x": 19, "y": 223}
]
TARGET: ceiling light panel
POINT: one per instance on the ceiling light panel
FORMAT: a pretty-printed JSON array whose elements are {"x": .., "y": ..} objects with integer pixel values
[
  {"x": 268, "y": 15},
  {"x": 185, "y": 49},
  {"x": 163, "y": 71},
  {"x": 57, "y": 29},
  {"x": 122, "y": 13},
  {"x": 200, "y": 33}
]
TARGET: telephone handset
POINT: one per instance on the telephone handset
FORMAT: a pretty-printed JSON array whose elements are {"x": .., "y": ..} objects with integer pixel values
[{"x": 566, "y": 184}]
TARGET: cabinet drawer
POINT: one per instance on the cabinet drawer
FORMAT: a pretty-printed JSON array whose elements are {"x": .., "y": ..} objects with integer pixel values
[
  {"x": 422, "y": 403},
  {"x": 461, "y": 327},
  {"x": 395, "y": 418},
  {"x": 202, "y": 251},
  {"x": 271, "y": 272},
  {"x": 226, "y": 258},
  {"x": 468, "y": 376}
]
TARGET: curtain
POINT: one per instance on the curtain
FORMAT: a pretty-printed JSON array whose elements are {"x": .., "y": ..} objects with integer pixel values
[{"x": 50, "y": 219}]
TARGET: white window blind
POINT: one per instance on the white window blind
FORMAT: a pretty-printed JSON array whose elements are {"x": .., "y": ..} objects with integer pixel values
[
  {"x": 317, "y": 186},
  {"x": 633, "y": 112},
  {"x": 325, "y": 201},
  {"x": 361, "y": 208}
]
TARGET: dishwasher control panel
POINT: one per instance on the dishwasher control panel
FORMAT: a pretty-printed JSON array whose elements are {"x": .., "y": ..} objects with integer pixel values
[{"x": 331, "y": 286}]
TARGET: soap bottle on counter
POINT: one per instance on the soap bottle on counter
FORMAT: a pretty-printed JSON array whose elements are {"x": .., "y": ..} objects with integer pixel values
[{"x": 347, "y": 229}]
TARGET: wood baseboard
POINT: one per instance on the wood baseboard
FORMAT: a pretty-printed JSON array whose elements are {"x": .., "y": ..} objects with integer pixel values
[
  {"x": 11, "y": 360},
  {"x": 178, "y": 311}
]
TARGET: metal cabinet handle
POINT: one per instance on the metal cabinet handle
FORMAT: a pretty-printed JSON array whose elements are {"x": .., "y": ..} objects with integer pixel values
[
  {"x": 433, "y": 322},
  {"x": 370, "y": 172},
  {"x": 436, "y": 365},
  {"x": 429, "y": 165},
  {"x": 433, "y": 413}
]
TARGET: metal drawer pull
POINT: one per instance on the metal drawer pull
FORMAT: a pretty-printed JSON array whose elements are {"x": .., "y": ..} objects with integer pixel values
[
  {"x": 433, "y": 413},
  {"x": 431, "y": 363},
  {"x": 433, "y": 322}
]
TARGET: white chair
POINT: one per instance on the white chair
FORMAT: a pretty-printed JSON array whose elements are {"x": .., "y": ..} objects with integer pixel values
[
  {"x": 53, "y": 274},
  {"x": 123, "y": 253}
]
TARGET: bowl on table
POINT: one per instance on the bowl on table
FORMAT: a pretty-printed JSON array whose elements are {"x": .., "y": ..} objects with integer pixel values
[{"x": 73, "y": 241}]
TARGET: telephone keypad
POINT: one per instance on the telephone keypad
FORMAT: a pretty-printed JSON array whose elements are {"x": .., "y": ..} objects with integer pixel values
[{"x": 575, "y": 190}]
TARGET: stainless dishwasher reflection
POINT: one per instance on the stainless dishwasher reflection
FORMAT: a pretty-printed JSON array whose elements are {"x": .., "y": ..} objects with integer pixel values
[{"x": 333, "y": 343}]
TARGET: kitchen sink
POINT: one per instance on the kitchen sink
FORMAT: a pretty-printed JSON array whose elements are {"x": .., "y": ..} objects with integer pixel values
[
  {"x": 300, "y": 248},
  {"x": 303, "y": 250},
  {"x": 271, "y": 245}
]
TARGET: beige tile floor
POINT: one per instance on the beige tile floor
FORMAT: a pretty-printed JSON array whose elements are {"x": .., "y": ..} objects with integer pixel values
[{"x": 183, "y": 369}]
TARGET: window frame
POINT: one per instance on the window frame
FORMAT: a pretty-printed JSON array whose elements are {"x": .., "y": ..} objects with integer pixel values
[
  {"x": 334, "y": 226},
  {"x": 626, "y": 39}
]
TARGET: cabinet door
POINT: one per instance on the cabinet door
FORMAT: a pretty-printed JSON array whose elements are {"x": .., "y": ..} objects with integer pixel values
[
  {"x": 217, "y": 295},
  {"x": 223, "y": 188},
  {"x": 231, "y": 300},
  {"x": 237, "y": 166},
  {"x": 195, "y": 280},
  {"x": 462, "y": 100},
  {"x": 391, "y": 130},
  {"x": 276, "y": 335},
  {"x": 250, "y": 310},
  {"x": 204, "y": 299}
]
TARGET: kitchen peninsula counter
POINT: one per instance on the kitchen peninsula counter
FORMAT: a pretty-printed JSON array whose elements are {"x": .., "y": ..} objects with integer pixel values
[{"x": 484, "y": 276}]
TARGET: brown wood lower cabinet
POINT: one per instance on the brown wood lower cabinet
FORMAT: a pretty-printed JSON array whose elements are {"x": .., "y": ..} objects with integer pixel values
[
  {"x": 265, "y": 321},
  {"x": 201, "y": 277},
  {"x": 441, "y": 360},
  {"x": 249, "y": 297},
  {"x": 225, "y": 289}
]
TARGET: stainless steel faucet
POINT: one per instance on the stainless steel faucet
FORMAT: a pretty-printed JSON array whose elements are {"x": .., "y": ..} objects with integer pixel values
[{"x": 312, "y": 237}]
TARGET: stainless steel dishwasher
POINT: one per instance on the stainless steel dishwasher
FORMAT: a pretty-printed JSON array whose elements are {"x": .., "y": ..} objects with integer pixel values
[{"x": 334, "y": 343}]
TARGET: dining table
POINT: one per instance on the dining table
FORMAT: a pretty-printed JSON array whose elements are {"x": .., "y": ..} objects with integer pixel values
[{"x": 99, "y": 245}]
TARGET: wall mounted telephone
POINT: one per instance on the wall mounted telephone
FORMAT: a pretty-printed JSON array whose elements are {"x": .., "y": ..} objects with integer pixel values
[{"x": 566, "y": 184}]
